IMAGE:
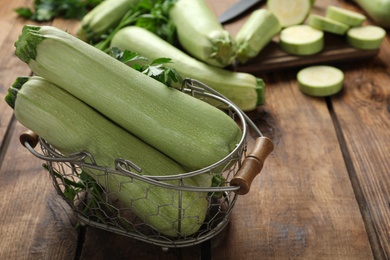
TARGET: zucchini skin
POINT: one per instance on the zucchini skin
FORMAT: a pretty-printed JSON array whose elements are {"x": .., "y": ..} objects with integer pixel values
[
  {"x": 243, "y": 89},
  {"x": 103, "y": 17},
  {"x": 72, "y": 126},
  {"x": 190, "y": 131},
  {"x": 378, "y": 10},
  {"x": 261, "y": 26},
  {"x": 201, "y": 34}
]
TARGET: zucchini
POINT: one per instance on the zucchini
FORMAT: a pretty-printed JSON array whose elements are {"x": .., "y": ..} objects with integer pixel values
[
  {"x": 72, "y": 126},
  {"x": 201, "y": 34},
  {"x": 378, "y": 10},
  {"x": 290, "y": 12},
  {"x": 190, "y": 131},
  {"x": 367, "y": 37},
  {"x": 301, "y": 39},
  {"x": 345, "y": 16},
  {"x": 244, "y": 89},
  {"x": 261, "y": 26},
  {"x": 102, "y": 18},
  {"x": 327, "y": 25},
  {"x": 320, "y": 80}
]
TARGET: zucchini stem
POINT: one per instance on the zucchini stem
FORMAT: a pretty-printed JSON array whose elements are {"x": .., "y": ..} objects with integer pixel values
[{"x": 12, "y": 94}]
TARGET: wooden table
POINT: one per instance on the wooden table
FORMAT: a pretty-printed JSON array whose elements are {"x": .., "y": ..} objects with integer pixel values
[{"x": 324, "y": 192}]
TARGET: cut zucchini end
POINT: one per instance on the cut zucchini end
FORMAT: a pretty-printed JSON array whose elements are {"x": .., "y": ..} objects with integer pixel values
[
  {"x": 320, "y": 80},
  {"x": 223, "y": 49},
  {"x": 368, "y": 37},
  {"x": 260, "y": 90}
]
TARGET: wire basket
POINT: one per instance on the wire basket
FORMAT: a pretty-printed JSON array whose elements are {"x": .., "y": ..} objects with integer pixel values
[{"x": 73, "y": 178}]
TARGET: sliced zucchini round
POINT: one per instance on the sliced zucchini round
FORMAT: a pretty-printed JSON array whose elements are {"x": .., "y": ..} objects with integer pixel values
[
  {"x": 320, "y": 80},
  {"x": 327, "y": 25},
  {"x": 301, "y": 40},
  {"x": 368, "y": 37},
  {"x": 290, "y": 12},
  {"x": 344, "y": 16}
]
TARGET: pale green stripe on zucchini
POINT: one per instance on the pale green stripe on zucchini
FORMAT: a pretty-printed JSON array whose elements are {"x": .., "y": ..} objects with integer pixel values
[
  {"x": 320, "y": 80},
  {"x": 72, "y": 126},
  {"x": 301, "y": 40},
  {"x": 244, "y": 89},
  {"x": 201, "y": 34},
  {"x": 290, "y": 12},
  {"x": 102, "y": 18},
  {"x": 261, "y": 26},
  {"x": 345, "y": 16},
  {"x": 368, "y": 37},
  {"x": 188, "y": 130},
  {"x": 327, "y": 25}
]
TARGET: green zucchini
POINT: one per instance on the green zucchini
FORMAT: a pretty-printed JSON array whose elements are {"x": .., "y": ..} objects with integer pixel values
[
  {"x": 102, "y": 18},
  {"x": 327, "y": 25},
  {"x": 320, "y": 80},
  {"x": 244, "y": 89},
  {"x": 345, "y": 16},
  {"x": 378, "y": 10},
  {"x": 72, "y": 126},
  {"x": 190, "y": 131},
  {"x": 301, "y": 40},
  {"x": 201, "y": 34},
  {"x": 290, "y": 12},
  {"x": 261, "y": 26},
  {"x": 367, "y": 37}
]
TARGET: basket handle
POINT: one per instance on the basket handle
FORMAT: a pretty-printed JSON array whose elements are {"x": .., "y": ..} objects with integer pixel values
[
  {"x": 29, "y": 137},
  {"x": 252, "y": 165}
]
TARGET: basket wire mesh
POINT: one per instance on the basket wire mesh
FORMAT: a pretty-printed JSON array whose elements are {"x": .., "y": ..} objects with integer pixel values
[{"x": 74, "y": 178}]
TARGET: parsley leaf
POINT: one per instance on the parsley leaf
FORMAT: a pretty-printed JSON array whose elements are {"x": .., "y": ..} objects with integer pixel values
[
  {"x": 47, "y": 10},
  {"x": 152, "y": 15},
  {"x": 156, "y": 69}
]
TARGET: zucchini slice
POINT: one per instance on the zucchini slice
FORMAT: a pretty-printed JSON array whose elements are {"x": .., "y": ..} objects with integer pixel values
[
  {"x": 320, "y": 80},
  {"x": 368, "y": 37},
  {"x": 301, "y": 40}
]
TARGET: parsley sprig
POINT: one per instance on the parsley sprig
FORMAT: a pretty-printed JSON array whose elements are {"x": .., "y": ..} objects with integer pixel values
[
  {"x": 47, "y": 10},
  {"x": 155, "y": 69},
  {"x": 152, "y": 15}
]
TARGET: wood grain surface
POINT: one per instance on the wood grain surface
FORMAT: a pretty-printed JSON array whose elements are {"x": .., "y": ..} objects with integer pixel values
[{"x": 323, "y": 192}]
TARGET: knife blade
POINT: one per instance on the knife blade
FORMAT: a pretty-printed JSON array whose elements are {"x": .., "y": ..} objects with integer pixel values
[{"x": 237, "y": 9}]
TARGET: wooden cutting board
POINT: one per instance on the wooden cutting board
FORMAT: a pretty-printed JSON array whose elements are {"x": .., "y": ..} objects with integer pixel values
[{"x": 273, "y": 58}]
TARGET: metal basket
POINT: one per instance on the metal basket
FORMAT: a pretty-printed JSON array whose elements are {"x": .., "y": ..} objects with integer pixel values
[{"x": 97, "y": 207}]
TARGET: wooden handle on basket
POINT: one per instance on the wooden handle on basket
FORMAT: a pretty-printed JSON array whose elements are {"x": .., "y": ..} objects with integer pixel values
[
  {"x": 252, "y": 165},
  {"x": 30, "y": 137}
]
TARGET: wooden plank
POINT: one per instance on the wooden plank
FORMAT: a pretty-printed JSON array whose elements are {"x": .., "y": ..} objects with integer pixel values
[
  {"x": 302, "y": 205},
  {"x": 363, "y": 116},
  {"x": 363, "y": 112},
  {"x": 35, "y": 222},
  {"x": 103, "y": 245},
  {"x": 11, "y": 66}
]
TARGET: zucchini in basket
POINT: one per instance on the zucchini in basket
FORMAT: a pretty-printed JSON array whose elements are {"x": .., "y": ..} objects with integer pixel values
[
  {"x": 72, "y": 126},
  {"x": 190, "y": 131}
]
